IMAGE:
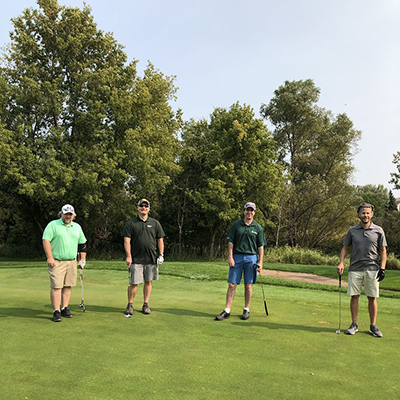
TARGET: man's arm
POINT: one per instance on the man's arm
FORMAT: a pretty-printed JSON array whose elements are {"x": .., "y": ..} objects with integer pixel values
[
  {"x": 49, "y": 255},
  {"x": 260, "y": 257},
  {"x": 127, "y": 248},
  {"x": 160, "y": 245},
  {"x": 231, "y": 261},
  {"x": 342, "y": 256},
  {"x": 383, "y": 256}
]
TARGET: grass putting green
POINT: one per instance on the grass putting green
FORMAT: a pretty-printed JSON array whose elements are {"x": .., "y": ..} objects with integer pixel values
[{"x": 180, "y": 352}]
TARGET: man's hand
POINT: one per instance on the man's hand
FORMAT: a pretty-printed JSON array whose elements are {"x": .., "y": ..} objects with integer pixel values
[
  {"x": 340, "y": 268},
  {"x": 51, "y": 262},
  {"x": 128, "y": 261},
  {"x": 81, "y": 264},
  {"x": 160, "y": 259},
  {"x": 258, "y": 267},
  {"x": 381, "y": 275}
]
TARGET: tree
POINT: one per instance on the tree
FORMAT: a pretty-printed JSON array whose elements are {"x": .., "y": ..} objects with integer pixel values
[
  {"x": 316, "y": 148},
  {"x": 391, "y": 205},
  {"x": 224, "y": 163},
  {"x": 77, "y": 123},
  {"x": 396, "y": 175}
]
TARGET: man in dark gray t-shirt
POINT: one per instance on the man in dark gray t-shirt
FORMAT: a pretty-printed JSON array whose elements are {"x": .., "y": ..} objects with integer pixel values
[{"x": 367, "y": 265}]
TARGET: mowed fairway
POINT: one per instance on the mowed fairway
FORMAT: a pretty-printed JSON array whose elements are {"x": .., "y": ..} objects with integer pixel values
[{"x": 181, "y": 352}]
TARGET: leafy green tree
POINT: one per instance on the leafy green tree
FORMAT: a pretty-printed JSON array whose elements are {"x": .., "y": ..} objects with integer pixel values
[
  {"x": 78, "y": 125},
  {"x": 224, "y": 163},
  {"x": 316, "y": 148},
  {"x": 391, "y": 205},
  {"x": 396, "y": 175}
]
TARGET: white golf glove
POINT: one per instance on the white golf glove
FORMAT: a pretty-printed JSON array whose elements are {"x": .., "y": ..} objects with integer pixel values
[
  {"x": 160, "y": 259},
  {"x": 82, "y": 264}
]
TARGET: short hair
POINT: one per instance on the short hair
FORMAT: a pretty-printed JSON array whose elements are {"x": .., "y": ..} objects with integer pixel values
[{"x": 365, "y": 205}]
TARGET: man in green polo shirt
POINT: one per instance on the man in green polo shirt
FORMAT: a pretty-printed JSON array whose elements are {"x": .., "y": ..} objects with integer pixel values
[
  {"x": 246, "y": 241},
  {"x": 63, "y": 239},
  {"x": 144, "y": 248}
]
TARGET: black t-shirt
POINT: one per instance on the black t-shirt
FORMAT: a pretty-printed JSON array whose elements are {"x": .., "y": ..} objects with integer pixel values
[{"x": 143, "y": 235}]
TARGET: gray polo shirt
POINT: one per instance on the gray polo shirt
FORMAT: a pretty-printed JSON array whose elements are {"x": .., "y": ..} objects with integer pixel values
[{"x": 365, "y": 244}]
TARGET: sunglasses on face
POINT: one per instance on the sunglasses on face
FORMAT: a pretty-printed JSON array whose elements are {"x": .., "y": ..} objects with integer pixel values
[{"x": 144, "y": 206}]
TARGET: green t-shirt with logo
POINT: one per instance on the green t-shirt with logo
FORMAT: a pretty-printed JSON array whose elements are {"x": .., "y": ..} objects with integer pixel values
[
  {"x": 246, "y": 239},
  {"x": 64, "y": 239}
]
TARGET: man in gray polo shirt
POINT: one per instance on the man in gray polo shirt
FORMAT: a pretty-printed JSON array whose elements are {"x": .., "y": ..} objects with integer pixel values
[{"x": 367, "y": 265}]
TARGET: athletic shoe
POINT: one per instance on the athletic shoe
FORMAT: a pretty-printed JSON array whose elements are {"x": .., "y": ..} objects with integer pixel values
[
  {"x": 222, "y": 316},
  {"x": 374, "y": 331},
  {"x": 352, "y": 329},
  {"x": 66, "y": 313},
  {"x": 129, "y": 309},
  {"x": 56, "y": 316},
  {"x": 246, "y": 314},
  {"x": 146, "y": 309}
]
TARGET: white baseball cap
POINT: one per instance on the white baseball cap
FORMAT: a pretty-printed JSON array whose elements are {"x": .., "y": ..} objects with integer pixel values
[{"x": 68, "y": 209}]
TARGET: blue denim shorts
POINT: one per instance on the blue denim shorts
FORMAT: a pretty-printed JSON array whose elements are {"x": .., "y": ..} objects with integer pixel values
[{"x": 244, "y": 263}]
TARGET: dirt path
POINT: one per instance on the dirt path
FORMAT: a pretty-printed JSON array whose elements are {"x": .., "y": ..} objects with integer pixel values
[{"x": 298, "y": 276}]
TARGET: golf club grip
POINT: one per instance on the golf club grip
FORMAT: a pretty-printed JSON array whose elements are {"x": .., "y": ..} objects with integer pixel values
[{"x": 340, "y": 280}]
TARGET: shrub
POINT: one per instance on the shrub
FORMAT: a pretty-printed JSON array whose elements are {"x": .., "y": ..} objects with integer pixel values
[{"x": 298, "y": 255}]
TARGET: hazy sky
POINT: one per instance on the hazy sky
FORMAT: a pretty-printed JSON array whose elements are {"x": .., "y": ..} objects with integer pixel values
[{"x": 224, "y": 51}]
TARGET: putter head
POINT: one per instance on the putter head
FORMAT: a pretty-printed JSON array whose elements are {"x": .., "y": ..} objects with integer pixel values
[
  {"x": 338, "y": 331},
  {"x": 127, "y": 315}
]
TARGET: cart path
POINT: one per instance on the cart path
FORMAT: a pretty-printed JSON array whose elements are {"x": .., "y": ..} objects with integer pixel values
[{"x": 301, "y": 277}]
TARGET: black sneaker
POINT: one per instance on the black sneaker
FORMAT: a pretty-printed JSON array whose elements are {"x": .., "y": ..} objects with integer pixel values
[
  {"x": 146, "y": 309},
  {"x": 246, "y": 314},
  {"x": 66, "y": 313},
  {"x": 129, "y": 310},
  {"x": 222, "y": 316},
  {"x": 374, "y": 331},
  {"x": 56, "y": 316}
]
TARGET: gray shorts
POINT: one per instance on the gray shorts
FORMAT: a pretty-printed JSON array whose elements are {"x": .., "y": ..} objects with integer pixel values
[{"x": 138, "y": 271}]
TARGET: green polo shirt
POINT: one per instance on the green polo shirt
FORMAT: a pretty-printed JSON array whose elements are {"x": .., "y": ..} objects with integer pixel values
[
  {"x": 246, "y": 239},
  {"x": 143, "y": 235},
  {"x": 64, "y": 239},
  {"x": 365, "y": 244}
]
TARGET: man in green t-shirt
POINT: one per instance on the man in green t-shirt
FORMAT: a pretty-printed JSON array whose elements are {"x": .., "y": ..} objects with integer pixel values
[
  {"x": 63, "y": 239},
  {"x": 144, "y": 249},
  {"x": 246, "y": 241}
]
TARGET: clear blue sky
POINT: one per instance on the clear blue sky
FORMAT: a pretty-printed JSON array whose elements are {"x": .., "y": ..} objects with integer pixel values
[{"x": 223, "y": 51}]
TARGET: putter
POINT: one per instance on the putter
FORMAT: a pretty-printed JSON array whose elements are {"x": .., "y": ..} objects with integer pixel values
[
  {"x": 262, "y": 289},
  {"x": 340, "y": 303},
  {"x": 82, "y": 305},
  {"x": 129, "y": 275}
]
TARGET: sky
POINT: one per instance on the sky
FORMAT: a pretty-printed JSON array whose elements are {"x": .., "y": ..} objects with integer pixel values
[{"x": 227, "y": 51}]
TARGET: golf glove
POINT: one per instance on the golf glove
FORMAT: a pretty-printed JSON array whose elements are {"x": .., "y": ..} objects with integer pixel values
[
  {"x": 82, "y": 264},
  {"x": 381, "y": 275},
  {"x": 160, "y": 259}
]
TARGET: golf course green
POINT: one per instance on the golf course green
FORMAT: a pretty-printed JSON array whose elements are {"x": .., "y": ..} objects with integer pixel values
[{"x": 179, "y": 351}]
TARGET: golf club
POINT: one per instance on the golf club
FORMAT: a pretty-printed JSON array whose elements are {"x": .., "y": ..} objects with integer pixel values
[
  {"x": 82, "y": 305},
  {"x": 340, "y": 303},
  {"x": 129, "y": 275},
  {"x": 262, "y": 289}
]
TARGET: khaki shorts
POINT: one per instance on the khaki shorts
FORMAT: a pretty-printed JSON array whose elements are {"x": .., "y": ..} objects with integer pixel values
[
  {"x": 63, "y": 274},
  {"x": 138, "y": 271},
  {"x": 355, "y": 283}
]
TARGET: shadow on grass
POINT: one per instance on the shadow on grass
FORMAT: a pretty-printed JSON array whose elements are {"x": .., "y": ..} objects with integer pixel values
[
  {"x": 24, "y": 313},
  {"x": 183, "y": 311},
  {"x": 274, "y": 325}
]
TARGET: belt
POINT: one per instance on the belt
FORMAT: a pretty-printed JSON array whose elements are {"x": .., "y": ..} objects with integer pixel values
[{"x": 71, "y": 259}]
